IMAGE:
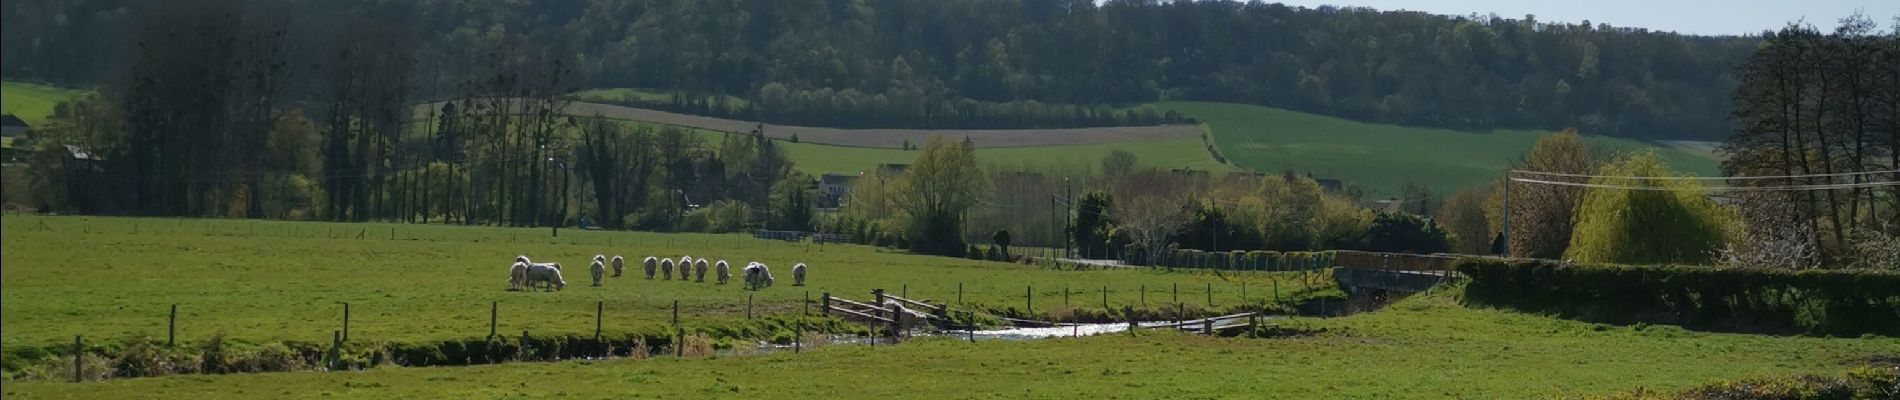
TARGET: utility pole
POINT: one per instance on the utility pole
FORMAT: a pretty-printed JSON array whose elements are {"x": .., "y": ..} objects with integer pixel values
[{"x": 1505, "y": 233}]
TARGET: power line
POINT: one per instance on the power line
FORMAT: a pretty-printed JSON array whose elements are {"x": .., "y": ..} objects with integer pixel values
[
  {"x": 1715, "y": 189},
  {"x": 1669, "y": 178}
]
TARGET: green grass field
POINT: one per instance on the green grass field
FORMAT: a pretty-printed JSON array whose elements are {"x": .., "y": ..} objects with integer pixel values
[
  {"x": 32, "y": 102},
  {"x": 1424, "y": 348},
  {"x": 817, "y": 159},
  {"x": 267, "y": 281},
  {"x": 1381, "y": 157}
]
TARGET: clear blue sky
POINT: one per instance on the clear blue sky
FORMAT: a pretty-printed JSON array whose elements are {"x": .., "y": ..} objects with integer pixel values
[{"x": 1701, "y": 17}]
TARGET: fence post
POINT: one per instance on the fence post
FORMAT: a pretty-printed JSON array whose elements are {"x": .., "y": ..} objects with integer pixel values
[
  {"x": 494, "y": 308},
  {"x": 1207, "y": 326},
  {"x": 748, "y": 306},
  {"x": 1144, "y": 295},
  {"x": 676, "y": 312},
  {"x": 600, "y": 307},
  {"x": 336, "y": 351},
  {"x": 346, "y": 321},
  {"x": 798, "y": 332},
  {"x": 1180, "y": 312},
  {"x": 1129, "y": 312},
  {"x": 806, "y": 304},
  {"x": 972, "y": 329},
  {"x": 1210, "y": 295},
  {"x": 1065, "y": 297},
  {"x": 959, "y": 292},
  {"x": 904, "y": 291},
  {"x": 78, "y": 349},
  {"x": 524, "y": 345},
  {"x": 1029, "y": 299},
  {"x": 1276, "y": 290},
  {"x": 1177, "y": 292},
  {"x": 825, "y": 300},
  {"x": 171, "y": 327}
]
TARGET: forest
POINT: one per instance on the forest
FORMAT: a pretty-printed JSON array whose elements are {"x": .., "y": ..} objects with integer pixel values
[{"x": 928, "y": 57}]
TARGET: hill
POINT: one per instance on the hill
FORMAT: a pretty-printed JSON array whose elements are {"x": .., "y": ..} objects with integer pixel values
[
  {"x": 32, "y": 102},
  {"x": 1387, "y": 66},
  {"x": 1380, "y": 158}
]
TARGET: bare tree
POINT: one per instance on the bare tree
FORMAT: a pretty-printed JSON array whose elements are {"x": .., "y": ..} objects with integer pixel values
[{"x": 1151, "y": 207}]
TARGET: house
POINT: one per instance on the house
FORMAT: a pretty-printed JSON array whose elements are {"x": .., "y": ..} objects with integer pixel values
[
  {"x": 832, "y": 189},
  {"x": 11, "y": 126}
]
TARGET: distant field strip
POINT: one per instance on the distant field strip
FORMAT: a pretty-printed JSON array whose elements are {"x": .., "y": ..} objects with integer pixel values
[{"x": 895, "y": 138}]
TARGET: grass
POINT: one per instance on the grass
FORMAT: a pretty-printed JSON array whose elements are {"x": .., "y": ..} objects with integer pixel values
[
  {"x": 269, "y": 281},
  {"x": 32, "y": 102},
  {"x": 1380, "y": 158},
  {"x": 1426, "y": 348},
  {"x": 817, "y": 159}
]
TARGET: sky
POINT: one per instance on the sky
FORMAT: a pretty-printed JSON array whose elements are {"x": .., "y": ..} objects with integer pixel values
[{"x": 1699, "y": 17}]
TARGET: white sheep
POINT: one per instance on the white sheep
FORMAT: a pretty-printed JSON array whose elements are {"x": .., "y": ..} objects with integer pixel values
[
  {"x": 758, "y": 276},
  {"x": 596, "y": 269},
  {"x": 666, "y": 269},
  {"x": 686, "y": 267},
  {"x": 699, "y": 270},
  {"x": 798, "y": 274},
  {"x": 517, "y": 276},
  {"x": 619, "y": 264},
  {"x": 549, "y": 273},
  {"x": 723, "y": 271},
  {"x": 651, "y": 264}
]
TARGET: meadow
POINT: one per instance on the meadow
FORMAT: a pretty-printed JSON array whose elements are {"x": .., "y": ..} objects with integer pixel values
[
  {"x": 818, "y": 158},
  {"x": 1380, "y": 158},
  {"x": 1425, "y": 347},
  {"x": 113, "y": 279},
  {"x": 32, "y": 102}
]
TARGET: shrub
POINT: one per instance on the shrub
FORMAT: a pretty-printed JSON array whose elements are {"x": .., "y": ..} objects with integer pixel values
[{"x": 1817, "y": 302}]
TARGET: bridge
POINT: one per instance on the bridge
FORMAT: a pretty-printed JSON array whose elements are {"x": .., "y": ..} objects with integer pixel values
[{"x": 1362, "y": 273}]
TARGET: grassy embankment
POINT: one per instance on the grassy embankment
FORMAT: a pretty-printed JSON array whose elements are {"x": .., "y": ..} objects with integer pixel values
[{"x": 1427, "y": 347}]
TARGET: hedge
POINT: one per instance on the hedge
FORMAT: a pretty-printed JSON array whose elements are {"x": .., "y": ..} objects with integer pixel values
[
  {"x": 1232, "y": 260},
  {"x": 1815, "y": 302}
]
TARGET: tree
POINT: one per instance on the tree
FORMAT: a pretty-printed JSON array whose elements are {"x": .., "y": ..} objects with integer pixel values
[
  {"x": 1001, "y": 240},
  {"x": 1118, "y": 163},
  {"x": 1150, "y": 207},
  {"x": 1463, "y": 217},
  {"x": 938, "y": 188},
  {"x": 1647, "y": 221},
  {"x": 792, "y": 206},
  {"x": 1406, "y": 233},
  {"x": 1541, "y": 215},
  {"x": 1089, "y": 231}
]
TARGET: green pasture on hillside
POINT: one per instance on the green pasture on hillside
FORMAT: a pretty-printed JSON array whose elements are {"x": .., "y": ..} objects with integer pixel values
[
  {"x": 272, "y": 281},
  {"x": 1380, "y": 158},
  {"x": 32, "y": 102}
]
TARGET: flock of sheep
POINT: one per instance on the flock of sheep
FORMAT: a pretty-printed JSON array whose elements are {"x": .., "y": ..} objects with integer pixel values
[{"x": 527, "y": 275}]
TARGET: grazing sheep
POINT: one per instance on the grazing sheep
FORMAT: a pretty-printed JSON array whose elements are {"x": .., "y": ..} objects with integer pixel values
[
  {"x": 798, "y": 274},
  {"x": 549, "y": 273},
  {"x": 723, "y": 271},
  {"x": 651, "y": 264},
  {"x": 517, "y": 276},
  {"x": 758, "y": 276},
  {"x": 596, "y": 269},
  {"x": 699, "y": 270},
  {"x": 686, "y": 267},
  {"x": 666, "y": 269},
  {"x": 619, "y": 264}
]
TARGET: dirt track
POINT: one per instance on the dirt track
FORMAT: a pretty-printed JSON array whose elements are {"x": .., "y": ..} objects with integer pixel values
[{"x": 895, "y": 138}]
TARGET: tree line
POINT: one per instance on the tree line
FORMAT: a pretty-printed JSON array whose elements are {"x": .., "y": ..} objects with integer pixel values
[
  {"x": 923, "y": 56},
  {"x": 231, "y": 108},
  {"x": 850, "y": 108}
]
